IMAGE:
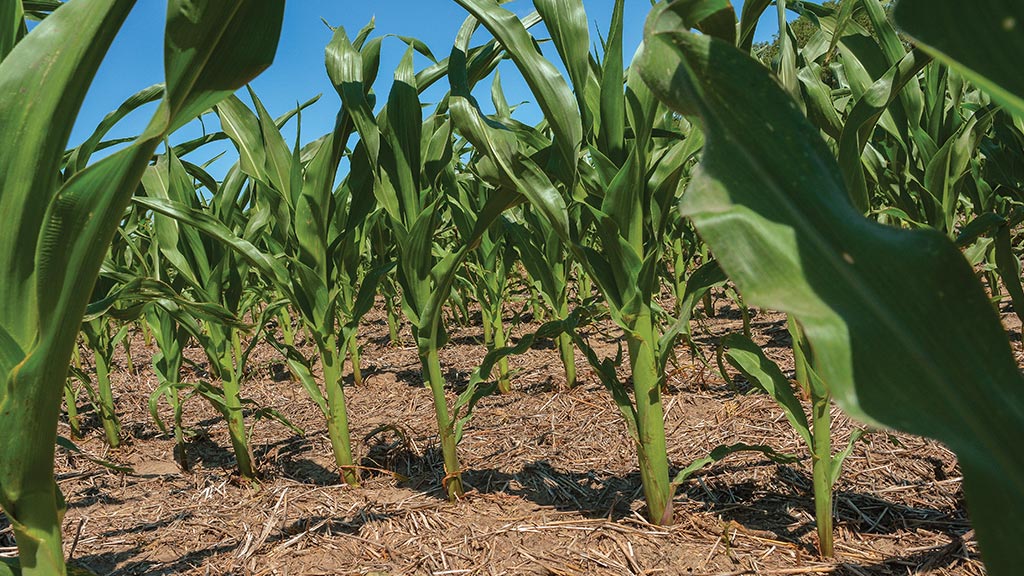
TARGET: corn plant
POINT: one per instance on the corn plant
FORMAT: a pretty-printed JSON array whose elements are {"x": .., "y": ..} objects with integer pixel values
[
  {"x": 381, "y": 247},
  {"x": 324, "y": 230},
  {"x": 488, "y": 269},
  {"x": 874, "y": 302},
  {"x": 52, "y": 254},
  {"x": 411, "y": 164},
  {"x": 746, "y": 356},
  {"x": 627, "y": 184},
  {"x": 171, "y": 339},
  {"x": 318, "y": 229},
  {"x": 102, "y": 338},
  {"x": 216, "y": 275},
  {"x": 411, "y": 194},
  {"x": 174, "y": 323},
  {"x": 549, "y": 266}
]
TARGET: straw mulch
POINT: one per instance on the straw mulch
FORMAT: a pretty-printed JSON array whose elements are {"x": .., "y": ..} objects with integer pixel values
[{"x": 550, "y": 473}]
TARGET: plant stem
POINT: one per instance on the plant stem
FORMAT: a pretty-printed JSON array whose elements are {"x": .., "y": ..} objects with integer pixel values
[
  {"x": 28, "y": 434},
  {"x": 504, "y": 384},
  {"x": 651, "y": 449},
  {"x": 111, "y": 426},
  {"x": 179, "y": 430},
  {"x": 353, "y": 354},
  {"x": 453, "y": 475},
  {"x": 393, "y": 322},
  {"x": 821, "y": 461},
  {"x": 566, "y": 350},
  {"x": 487, "y": 326},
  {"x": 71, "y": 402},
  {"x": 568, "y": 354},
  {"x": 129, "y": 364},
  {"x": 37, "y": 531},
  {"x": 233, "y": 409},
  {"x": 821, "y": 438},
  {"x": 337, "y": 412}
]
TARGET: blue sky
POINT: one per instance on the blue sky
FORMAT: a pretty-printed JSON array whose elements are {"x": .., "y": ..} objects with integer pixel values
[{"x": 298, "y": 73}]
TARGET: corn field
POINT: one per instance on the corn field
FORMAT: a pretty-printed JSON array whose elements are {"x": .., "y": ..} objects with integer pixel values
[{"x": 851, "y": 192}]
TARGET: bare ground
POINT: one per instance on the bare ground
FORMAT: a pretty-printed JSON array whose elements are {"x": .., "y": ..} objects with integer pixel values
[{"x": 551, "y": 478}]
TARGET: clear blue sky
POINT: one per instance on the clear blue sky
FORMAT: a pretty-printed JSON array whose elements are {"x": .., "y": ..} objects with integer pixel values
[{"x": 298, "y": 73}]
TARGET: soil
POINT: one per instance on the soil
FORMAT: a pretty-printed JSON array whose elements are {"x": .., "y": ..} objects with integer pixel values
[{"x": 552, "y": 486}]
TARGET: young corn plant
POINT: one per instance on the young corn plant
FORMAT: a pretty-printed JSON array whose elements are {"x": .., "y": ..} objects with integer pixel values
[
  {"x": 320, "y": 230},
  {"x": 414, "y": 172},
  {"x": 174, "y": 322},
  {"x": 746, "y": 356},
  {"x": 215, "y": 276},
  {"x": 60, "y": 231},
  {"x": 549, "y": 266},
  {"x": 409, "y": 184},
  {"x": 381, "y": 248},
  {"x": 627, "y": 180},
  {"x": 171, "y": 339},
  {"x": 102, "y": 338},
  {"x": 488, "y": 270}
]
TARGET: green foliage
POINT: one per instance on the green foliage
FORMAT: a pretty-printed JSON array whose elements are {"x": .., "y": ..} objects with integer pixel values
[
  {"x": 876, "y": 303},
  {"x": 859, "y": 176},
  {"x": 51, "y": 257}
]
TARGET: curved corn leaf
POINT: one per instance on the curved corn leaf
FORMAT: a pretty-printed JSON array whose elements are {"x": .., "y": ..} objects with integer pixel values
[
  {"x": 746, "y": 356},
  {"x": 553, "y": 94},
  {"x": 724, "y": 450},
  {"x": 566, "y": 21},
  {"x": 80, "y": 156},
  {"x": 900, "y": 329},
  {"x": 865, "y": 115},
  {"x": 272, "y": 268},
  {"x": 750, "y": 14}
]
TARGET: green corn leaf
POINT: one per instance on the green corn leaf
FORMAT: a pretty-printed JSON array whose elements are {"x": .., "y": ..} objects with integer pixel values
[
  {"x": 839, "y": 457},
  {"x": 982, "y": 225},
  {"x": 951, "y": 163},
  {"x": 80, "y": 156},
  {"x": 207, "y": 224},
  {"x": 553, "y": 94},
  {"x": 708, "y": 276},
  {"x": 212, "y": 48},
  {"x": 41, "y": 89},
  {"x": 243, "y": 128},
  {"x": 843, "y": 19},
  {"x": 611, "y": 130},
  {"x": 749, "y": 16},
  {"x": 566, "y": 21},
  {"x": 12, "y": 26},
  {"x": 345, "y": 68},
  {"x": 722, "y": 451},
  {"x": 521, "y": 174},
  {"x": 818, "y": 97},
  {"x": 983, "y": 43},
  {"x": 876, "y": 303},
  {"x": 911, "y": 96},
  {"x": 747, "y": 357},
  {"x": 866, "y": 114},
  {"x": 279, "y": 162},
  {"x": 300, "y": 367}
]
